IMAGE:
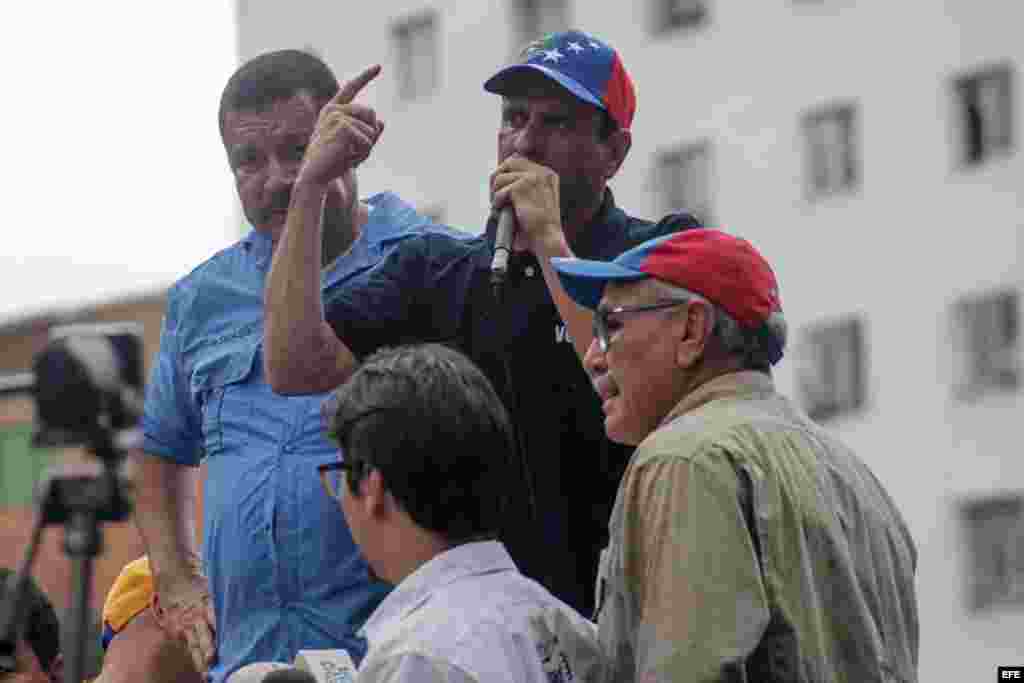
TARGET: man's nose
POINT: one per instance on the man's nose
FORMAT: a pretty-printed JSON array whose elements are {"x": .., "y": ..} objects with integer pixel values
[
  {"x": 527, "y": 140},
  {"x": 594, "y": 360},
  {"x": 282, "y": 174}
]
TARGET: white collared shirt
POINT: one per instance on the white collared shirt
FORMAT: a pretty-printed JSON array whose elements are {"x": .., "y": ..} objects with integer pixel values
[{"x": 468, "y": 615}]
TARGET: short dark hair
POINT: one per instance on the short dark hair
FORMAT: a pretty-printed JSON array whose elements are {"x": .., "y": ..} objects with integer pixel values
[
  {"x": 429, "y": 420},
  {"x": 276, "y": 76},
  {"x": 41, "y": 628}
]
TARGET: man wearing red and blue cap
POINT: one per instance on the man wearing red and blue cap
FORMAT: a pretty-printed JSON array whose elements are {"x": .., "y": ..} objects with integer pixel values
[
  {"x": 747, "y": 544},
  {"x": 567, "y": 108},
  {"x": 565, "y": 79}
]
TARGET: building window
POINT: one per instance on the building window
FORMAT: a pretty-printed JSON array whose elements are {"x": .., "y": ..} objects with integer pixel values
[
  {"x": 984, "y": 101},
  {"x": 830, "y": 369},
  {"x": 536, "y": 18},
  {"x": 670, "y": 15},
  {"x": 986, "y": 343},
  {"x": 995, "y": 544},
  {"x": 831, "y": 142},
  {"x": 684, "y": 180},
  {"x": 416, "y": 42}
]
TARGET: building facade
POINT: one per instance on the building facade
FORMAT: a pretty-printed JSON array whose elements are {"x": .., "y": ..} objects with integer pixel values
[{"x": 870, "y": 150}]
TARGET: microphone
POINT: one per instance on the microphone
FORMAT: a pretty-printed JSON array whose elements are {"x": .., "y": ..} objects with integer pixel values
[
  {"x": 324, "y": 666},
  {"x": 502, "y": 248},
  {"x": 257, "y": 672},
  {"x": 309, "y": 666},
  {"x": 289, "y": 675}
]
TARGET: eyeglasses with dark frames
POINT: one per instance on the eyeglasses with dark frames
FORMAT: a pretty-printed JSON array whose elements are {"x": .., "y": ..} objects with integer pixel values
[
  {"x": 330, "y": 476},
  {"x": 605, "y": 325}
]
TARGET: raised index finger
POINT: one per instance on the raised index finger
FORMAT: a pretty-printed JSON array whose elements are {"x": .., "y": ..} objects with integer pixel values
[{"x": 349, "y": 90}]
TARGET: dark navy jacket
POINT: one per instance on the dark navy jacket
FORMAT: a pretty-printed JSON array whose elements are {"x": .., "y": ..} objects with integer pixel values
[{"x": 437, "y": 288}]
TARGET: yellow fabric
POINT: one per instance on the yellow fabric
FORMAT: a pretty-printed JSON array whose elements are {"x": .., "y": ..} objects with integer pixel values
[{"x": 131, "y": 593}]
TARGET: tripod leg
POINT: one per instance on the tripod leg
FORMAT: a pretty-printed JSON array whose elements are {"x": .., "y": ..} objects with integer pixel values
[
  {"x": 12, "y": 606},
  {"x": 82, "y": 541}
]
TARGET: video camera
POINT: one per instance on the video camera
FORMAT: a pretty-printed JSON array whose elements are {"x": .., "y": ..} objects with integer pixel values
[{"x": 87, "y": 385}]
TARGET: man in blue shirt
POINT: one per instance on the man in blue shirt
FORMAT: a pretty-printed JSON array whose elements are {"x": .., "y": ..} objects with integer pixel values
[
  {"x": 279, "y": 569},
  {"x": 566, "y": 111}
]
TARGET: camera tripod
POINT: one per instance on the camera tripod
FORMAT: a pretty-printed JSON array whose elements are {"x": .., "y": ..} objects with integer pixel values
[{"x": 82, "y": 502}]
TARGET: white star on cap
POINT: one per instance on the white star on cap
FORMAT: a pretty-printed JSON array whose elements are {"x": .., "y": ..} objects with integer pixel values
[
  {"x": 552, "y": 55},
  {"x": 576, "y": 47}
]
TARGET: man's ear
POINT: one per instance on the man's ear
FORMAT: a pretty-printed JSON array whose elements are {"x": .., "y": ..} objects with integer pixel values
[
  {"x": 157, "y": 612},
  {"x": 375, "y": 495},
  {"x": 56, "y": 671},
  {"x": 618, "y": 144},
  {"x": 693, "y": 332}
]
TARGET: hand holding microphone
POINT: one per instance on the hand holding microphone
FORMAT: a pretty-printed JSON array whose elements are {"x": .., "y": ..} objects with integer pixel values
[{"x": 525, "y": 194}]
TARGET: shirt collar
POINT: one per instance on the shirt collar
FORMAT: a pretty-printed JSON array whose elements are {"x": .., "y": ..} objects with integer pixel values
[
  {"x": 601, "y": 230},
  {"x": 462, "y": 561},
  {"x": 741, "y": 384},
  {"x": 258, "y": 245},
  {"x": 389, "y": 218}
]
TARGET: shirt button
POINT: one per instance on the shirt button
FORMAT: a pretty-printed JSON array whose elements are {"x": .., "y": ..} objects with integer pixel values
[{"x": 529, "y": 271}]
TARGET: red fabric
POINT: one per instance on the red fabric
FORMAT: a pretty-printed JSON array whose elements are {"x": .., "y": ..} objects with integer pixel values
[
  {"x": 619, "y": 96},
  {"x": 726, "y": 270}
]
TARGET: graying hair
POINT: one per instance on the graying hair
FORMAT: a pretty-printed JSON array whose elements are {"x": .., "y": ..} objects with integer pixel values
[{"x": 734, "y": 339}]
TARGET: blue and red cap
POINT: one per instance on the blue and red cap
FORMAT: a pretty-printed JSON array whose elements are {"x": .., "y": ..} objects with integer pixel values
[
  {"x": 725, "y": 270},
  {"x": 587, "y": 67}
]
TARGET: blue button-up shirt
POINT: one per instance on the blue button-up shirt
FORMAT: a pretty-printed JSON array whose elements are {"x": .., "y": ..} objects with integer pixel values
[{"x": 283, "y": 569}]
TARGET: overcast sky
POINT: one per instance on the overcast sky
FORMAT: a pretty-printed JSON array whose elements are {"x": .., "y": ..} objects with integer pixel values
[{"x": 113, "y": 175}]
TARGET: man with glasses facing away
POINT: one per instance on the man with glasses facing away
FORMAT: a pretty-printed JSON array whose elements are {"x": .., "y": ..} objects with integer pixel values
[
  {"x": 747, "y": 544},
  {"x": 428, "y": 452}
]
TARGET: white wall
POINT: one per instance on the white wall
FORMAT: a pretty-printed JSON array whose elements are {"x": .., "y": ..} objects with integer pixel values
[{"x": 916, "y": 235}]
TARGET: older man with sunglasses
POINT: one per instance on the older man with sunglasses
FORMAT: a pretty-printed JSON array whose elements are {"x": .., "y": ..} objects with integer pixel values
[{"x": 746, "y": 542}]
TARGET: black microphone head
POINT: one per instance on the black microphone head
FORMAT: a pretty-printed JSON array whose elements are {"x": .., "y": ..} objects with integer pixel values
[{"x": 289, "y": 675}]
